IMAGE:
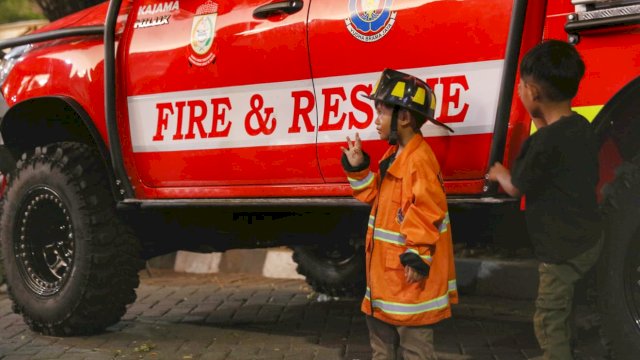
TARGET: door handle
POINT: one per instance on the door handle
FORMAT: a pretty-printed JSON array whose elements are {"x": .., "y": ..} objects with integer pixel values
[{"x": 288, "y": 7}]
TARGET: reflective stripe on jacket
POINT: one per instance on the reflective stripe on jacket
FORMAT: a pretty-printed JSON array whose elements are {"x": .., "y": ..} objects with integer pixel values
[{"x": 409, "y": 214}]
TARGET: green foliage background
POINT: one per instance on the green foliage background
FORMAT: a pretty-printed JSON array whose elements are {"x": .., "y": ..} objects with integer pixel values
[{"x": 16, "y": 10}]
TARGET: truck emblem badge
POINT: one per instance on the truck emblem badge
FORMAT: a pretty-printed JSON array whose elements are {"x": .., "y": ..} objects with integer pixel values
[
  {"x": 370, "y": 20},
  {"x": 203, "y": 32}
]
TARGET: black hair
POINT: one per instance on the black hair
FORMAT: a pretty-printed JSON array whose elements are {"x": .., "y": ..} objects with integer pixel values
[
  {"x": 556, "y": 66},
  {"x": 418, "y": 119}
]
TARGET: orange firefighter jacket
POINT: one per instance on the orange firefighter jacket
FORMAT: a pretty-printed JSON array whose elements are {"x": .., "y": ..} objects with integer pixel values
[{"x": 409, "y": 214}]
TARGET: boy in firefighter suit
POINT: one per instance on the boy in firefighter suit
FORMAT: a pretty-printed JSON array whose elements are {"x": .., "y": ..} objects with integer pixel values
[
  {"x": 409, "y": 254},
  {"x": 557, "y": 170}
]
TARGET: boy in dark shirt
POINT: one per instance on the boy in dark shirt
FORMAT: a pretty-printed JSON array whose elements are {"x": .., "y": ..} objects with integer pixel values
[{"x": 557, "y": 170}]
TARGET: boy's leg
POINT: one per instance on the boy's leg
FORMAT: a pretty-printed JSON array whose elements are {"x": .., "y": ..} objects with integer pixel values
[
  {"x": 555, "y": 300},
  {"x": 553, "y": 307},
  {"x": 416, "y": 343},
  {"x": 383, "y": 338}
]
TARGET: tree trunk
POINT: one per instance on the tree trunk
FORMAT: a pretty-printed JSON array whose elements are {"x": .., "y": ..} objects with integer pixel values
[{"x": 55, "y": 9}]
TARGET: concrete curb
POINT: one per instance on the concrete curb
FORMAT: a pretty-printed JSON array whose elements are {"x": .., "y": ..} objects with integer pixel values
[
  {"x": 514, "y": 279},
  {"x": 272, "y": 263}
]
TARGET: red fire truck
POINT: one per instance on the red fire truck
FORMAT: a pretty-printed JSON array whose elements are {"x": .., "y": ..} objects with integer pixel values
[{"x": 139, "y": 127}]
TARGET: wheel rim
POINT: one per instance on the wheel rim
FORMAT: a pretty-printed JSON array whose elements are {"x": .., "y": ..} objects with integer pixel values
[
  {"x": 632, "y": 281},
  {"x": 45, "y": 242}
]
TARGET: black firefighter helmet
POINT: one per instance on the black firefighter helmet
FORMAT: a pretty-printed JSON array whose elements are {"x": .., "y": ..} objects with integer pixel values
[{"x": 400, "y": 90}]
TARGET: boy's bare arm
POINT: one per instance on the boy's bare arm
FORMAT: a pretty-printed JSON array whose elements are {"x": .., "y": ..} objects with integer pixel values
[{"x": 502, "y": 175}]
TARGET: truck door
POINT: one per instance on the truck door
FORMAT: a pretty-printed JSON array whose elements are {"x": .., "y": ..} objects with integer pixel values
[
  {"x": 210, "y": 87},
  {"x": 458, "y": 47}
]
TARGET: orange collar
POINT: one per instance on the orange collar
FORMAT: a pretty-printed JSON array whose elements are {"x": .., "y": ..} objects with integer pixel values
[{"x": 398, "y": 167}]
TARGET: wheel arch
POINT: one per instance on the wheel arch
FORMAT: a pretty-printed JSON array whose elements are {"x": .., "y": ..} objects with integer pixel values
[
  {"x": 620, "y": 120},
  {"x": 44, "y": 120},
  {"x": 617, "y": 127}
]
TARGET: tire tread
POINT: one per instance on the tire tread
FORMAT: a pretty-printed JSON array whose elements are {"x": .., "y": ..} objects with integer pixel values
[{"x": 114, "y": 251}]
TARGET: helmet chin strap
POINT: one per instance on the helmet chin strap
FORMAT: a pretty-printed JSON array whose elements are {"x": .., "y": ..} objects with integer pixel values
[{"x": 393, "y": 133}]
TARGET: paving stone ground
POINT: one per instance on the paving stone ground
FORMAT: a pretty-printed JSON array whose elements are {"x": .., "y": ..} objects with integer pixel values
[{"x": 239, "y": 316}]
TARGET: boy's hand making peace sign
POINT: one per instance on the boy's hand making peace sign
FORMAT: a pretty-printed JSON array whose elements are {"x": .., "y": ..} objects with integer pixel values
[{"x": 354, "y": 152}]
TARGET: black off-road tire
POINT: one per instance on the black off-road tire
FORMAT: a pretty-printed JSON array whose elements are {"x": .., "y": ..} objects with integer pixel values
[
  {"x": 335, "y": 270},
  {"x": 618, "y": 280},
  {"x": 71, "y": 264}
]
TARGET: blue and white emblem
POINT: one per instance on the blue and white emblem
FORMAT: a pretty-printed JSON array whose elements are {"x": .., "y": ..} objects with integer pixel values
[
  {"x": 399, "y": 216},
  {"x": 370, "y": 20}
]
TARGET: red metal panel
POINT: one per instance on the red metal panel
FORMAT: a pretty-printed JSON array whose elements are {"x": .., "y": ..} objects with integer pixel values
[
  {"x": 457, "y": 47},
  {"x": 221, "y": 117},
  {"x": 609, "y": 56},
  {"x": 241, "y": 166},
  {"x": 519, "y": 119},
  {"x": 74, "y": 70},
  {"x": 248, "y": 50},
  {"x": 266, "y": 191},
  {"x": 460, "y": 157},
  {"x": 425, "y": 33}
]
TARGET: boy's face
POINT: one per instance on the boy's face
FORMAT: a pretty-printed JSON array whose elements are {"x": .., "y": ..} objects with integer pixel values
[{"x": 383, "y": 120}]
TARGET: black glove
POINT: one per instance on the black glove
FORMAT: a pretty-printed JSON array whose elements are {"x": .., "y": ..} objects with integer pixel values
[{"x": 414, "y": 260}]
